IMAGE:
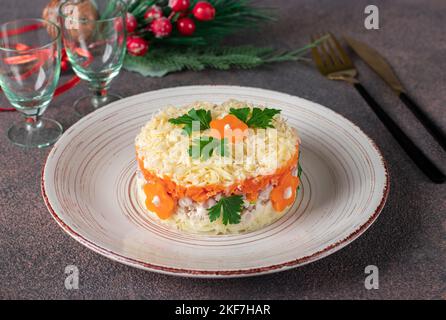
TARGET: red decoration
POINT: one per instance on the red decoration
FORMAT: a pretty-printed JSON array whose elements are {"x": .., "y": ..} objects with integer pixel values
[
  {"x": 186, "y": 26},
  {"x": 154, "y": 12},
  {"x": 131, "y": 22},
  {"x": 204, "y": 11},
  {"x": 64, "y": 64},
  {"x": 182, "y": 14},
  {"x": 161, "y": 27},
  {"x": 71, "y": 83},
  {"x": 137, "y": 46},
  {"x": 179, "y": 5},
  {"x": 118, "y": 25}
]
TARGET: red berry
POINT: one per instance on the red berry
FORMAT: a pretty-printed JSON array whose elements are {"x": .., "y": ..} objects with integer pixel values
[
  {"x": 64, "y": 65},
  {"x": 131, "y": 22},
  {"x": 179, "y": 5},
  {"x": 154, "y": 12},
  {"x": 161, "y": 27},
  {"x": 204, "y": 11},
  {"x": 137, "y": 46},
  {"x": 186, "y": 26},
  {"x": 182, "y": 14},
  {"x": 118, "y": 22}
]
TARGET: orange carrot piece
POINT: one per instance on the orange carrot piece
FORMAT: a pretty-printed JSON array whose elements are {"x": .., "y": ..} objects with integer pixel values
[
  {"x": 229, "y": 127},
  {"x": 283, "y": 195},
  {"x": 158, "y": 200}
]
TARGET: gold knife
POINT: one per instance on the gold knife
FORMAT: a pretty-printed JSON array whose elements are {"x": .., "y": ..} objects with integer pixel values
[{"x": 379, "y": 64}]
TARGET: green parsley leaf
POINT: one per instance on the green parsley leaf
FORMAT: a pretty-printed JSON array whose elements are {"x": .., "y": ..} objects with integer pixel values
[
  {"x": 299, "y": 173},
  {"x": 242, "y": 113},
  {"x": 231, "y": 208},
  {"x": 202, "y": 116},
  {"x": 224, "y": 150},
  {"x": 261, "y": 118},
  {"x": 204, "y": 147}
]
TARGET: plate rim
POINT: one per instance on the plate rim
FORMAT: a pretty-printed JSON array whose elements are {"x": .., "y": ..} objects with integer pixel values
[{"x": 221, "y": 273}]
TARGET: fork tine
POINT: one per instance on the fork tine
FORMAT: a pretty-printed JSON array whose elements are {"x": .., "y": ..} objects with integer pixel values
[
  {"x": 317, "y": 57},
  {"x": 333, "y": 52},
  {"x": 329, "y": 62},
  {"x": 341, "y": 50}
]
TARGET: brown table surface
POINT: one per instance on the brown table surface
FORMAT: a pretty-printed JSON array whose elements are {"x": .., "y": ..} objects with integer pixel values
[{"x": 407, "y": 242}]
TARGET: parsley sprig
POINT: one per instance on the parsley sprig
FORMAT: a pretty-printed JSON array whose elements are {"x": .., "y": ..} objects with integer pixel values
[
  {"x": 260, "y": 118},
  {"x": 204, "y": 147},
  {"x": 231, "y": 207},
  {"x": 299, "y": 174},
  {"x": 241, "y": 113},
  {"x": 202, "y": 116}
]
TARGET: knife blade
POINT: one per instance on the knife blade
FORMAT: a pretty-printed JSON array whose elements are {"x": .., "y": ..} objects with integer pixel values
[{"x": 379, "y": 64}]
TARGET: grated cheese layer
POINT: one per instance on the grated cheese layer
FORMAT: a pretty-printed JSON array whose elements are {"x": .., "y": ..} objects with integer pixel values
[{"x": 164, "y": 149}]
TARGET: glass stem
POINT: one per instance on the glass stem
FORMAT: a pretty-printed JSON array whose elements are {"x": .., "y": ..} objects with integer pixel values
[
  {"x": 99, "y": 95},
  {"x": 32, "y": 121}
]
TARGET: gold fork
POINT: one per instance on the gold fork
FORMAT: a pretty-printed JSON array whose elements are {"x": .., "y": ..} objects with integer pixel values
[{"x": 334, "y": 63}]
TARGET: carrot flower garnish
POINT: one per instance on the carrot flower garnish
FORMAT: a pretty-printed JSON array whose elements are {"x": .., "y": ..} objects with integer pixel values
[
  {"x": 158, "y": 200},
  {"x": 284, "y": 193}
]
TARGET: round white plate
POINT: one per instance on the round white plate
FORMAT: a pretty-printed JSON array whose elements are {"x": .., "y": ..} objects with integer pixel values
[{"x": 88, "y": 184}]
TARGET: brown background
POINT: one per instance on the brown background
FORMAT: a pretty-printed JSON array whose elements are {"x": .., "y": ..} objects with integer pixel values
[{"x": 407, "y": 242}]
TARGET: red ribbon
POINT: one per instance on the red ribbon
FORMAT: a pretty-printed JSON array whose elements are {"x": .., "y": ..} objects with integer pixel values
[
  {"x": 24, "y": 29},
  {"x": 71, "y": 83}
]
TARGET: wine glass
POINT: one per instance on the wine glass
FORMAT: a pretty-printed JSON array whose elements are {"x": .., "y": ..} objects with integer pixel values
[
  {"x": 94, "y": 35},
  {"x": 29, "y": 72}
]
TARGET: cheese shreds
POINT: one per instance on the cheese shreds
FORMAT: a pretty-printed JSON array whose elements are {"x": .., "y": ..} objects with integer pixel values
[{"x": 164, "y": 149}]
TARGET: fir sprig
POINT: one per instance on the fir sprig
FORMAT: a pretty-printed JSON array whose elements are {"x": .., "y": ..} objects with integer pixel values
[
  {"x": 160, "y": 61},
  {"x": 202, "y": 50}
]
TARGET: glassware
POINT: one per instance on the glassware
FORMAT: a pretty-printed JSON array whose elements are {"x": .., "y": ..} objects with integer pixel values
[
  {"x": 94, "y": 35},
  {"x": 29, "y": 72}
]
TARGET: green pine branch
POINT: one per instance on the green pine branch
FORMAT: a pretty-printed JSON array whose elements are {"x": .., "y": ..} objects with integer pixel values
[
  {"x": 202, "y": 50},
  {"x": 160, "y": 61}
]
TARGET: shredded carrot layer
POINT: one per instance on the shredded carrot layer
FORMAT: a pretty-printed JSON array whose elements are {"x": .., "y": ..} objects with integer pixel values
[{"x": 250, "y": 187}]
